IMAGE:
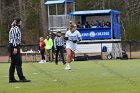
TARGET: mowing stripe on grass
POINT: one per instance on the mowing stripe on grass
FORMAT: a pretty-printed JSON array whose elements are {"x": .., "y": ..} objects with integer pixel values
[
  {"x": 132, "y": 82},
  {"x": 49, "y": 75}
]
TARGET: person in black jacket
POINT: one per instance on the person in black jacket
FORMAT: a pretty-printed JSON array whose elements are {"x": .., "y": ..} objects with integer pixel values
[{"x": 14, "y": 51}]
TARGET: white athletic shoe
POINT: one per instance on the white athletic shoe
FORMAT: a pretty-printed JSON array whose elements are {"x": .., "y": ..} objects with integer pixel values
[
  {"x": 67, "y": 67},
  {"x": 41, "y": 61},
  {"x": 44, "y": 61}
]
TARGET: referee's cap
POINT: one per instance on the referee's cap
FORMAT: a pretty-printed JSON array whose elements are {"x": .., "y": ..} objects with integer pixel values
[{"x": 17, "y": 18}]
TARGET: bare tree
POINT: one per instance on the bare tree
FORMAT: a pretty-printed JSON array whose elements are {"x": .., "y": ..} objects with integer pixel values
[
  {"x": 0, "y": 19},
  {"x": 0, "y": 11},
  {"x": 43, "y": 17},
  {"x": 20, "y": 7}
]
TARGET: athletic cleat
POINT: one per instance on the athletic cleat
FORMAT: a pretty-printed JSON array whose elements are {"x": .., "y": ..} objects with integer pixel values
[
  {"x": 13, "y": 81},
  {"x": 44, "y": 61},
  {"x": 67, "y": 67},
  {"x": 41, "y": 62},
  {"x": 24, "y": 80}
]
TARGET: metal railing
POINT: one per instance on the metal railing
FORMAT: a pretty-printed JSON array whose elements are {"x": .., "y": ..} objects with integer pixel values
[{"x": 58, "y": 22}]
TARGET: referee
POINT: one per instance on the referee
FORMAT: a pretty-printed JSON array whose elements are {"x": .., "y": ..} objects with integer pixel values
[
  {"x": 14, "y": 50},
  {"x": 59, "y": 46}
]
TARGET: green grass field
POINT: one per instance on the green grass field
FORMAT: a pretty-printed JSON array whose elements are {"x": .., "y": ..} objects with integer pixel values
[{"x": 97, "y": 76}]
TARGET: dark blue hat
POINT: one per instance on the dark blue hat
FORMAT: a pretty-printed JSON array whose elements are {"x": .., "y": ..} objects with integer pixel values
[{"x": 18, "y": 19}]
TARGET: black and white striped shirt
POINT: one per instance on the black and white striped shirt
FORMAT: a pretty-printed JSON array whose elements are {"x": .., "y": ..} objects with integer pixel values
[
  {"x": 58, "y": 41},
  {"x": 14, "y": 36}
]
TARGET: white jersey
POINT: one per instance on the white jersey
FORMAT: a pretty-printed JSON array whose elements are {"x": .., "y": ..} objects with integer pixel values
[{"x": 72, "y": 37}]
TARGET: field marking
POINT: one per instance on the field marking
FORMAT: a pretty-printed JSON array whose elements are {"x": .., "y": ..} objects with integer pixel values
[
  {"x": 17, "y": 87},
  {"x": 55, "y": 80},
  {"x": 35, "y": 73}
]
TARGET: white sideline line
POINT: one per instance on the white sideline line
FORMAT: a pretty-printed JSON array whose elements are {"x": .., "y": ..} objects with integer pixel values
[
  {"x": 17, "y": 87},
  {"x": 35, "y": 73}
]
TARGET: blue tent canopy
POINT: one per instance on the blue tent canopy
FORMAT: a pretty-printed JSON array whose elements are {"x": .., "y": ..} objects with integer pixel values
[
  {"x": 94, "y": 12},
  {"x": 58, "y": 2}
]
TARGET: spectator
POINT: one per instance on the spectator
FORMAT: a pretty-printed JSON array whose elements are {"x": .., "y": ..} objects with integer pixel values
[
  {"x": 48, "y": 48},
  {"x": 98, "y": 24},
  {"x": 42, "y": 50},
  {"x": 79, "y": 25},
  {"x": 83, "y": 26},
  {"x": 87, "y": 25},
  {"x": 52, "y": 36},
  {"x": 108, "y": 24},
  {"x": 103, "y": 24},
  {"x": 93, "y": 25}
]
